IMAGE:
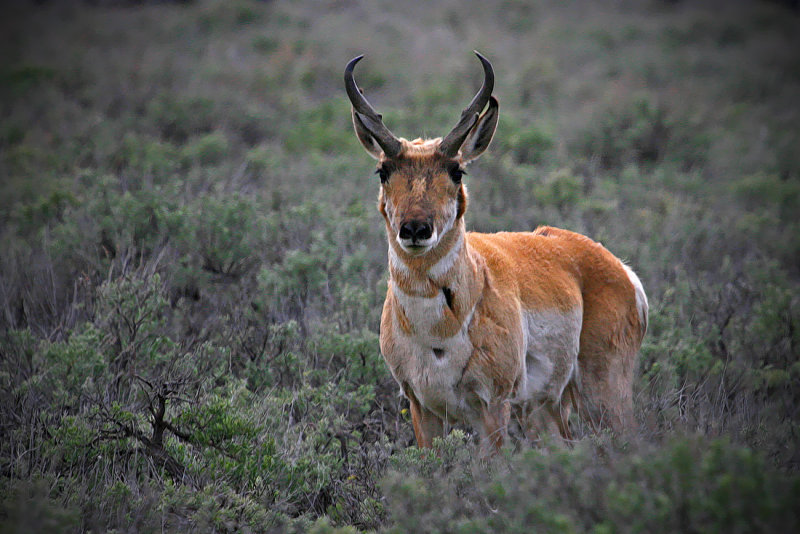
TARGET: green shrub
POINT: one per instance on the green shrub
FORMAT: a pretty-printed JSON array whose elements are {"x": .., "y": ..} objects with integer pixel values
[
  {"x": 324, "y": 128},
  {"x": 28, "y": 506},
  {"x": 531, "y": 144},
  {"x": 206, "y": 150},
  {"x": 147, "y": 158},
  {"x": 179, "y": 118},
  {"x": 21, "y": 78},
  {"x": 640, "y": 133},
  {"x": 687, "y": 485}
]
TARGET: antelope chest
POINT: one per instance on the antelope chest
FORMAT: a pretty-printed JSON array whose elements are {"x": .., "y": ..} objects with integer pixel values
[{"x": 431, "y": 366}]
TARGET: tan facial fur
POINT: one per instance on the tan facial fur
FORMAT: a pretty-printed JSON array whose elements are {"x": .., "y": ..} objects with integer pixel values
[{"x": 420, "y": 188}]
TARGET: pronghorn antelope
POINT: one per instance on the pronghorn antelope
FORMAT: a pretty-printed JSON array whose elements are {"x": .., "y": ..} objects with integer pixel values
[{"x": 479, "y": 327}]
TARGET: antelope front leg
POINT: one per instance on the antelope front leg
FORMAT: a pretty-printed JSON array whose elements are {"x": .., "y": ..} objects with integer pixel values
[
  {"x": 495, "y": 417},
  {"x": 427, "y": 425},
  {"x": 545, "y": 418}
]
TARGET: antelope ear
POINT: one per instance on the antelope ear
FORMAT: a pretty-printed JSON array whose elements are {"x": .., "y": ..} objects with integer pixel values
[
  {"x": 481, "y": 134},
  {"x": 367, "y": 140}
]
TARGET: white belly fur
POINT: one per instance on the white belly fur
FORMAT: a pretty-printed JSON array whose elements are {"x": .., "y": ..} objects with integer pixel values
[{"x": 552, "y": 343}]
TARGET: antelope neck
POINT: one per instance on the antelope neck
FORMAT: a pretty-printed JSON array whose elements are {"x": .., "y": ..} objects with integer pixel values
[
  {"x": 451, "y": 274},
  {"x": 450, "y": 270}
]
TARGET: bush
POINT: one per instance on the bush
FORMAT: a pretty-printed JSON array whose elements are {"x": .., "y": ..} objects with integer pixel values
[
  {"x": 686, "y": 485},
  {"x": 206, "y": 150}
]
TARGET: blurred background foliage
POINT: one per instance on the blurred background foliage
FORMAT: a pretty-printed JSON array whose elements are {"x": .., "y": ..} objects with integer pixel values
[{"x": 192, "y": 268}]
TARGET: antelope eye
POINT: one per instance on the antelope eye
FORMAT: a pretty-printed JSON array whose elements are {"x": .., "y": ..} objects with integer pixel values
[{"x": 456, "y": 174}]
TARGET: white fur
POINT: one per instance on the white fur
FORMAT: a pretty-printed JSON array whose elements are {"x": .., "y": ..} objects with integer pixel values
[
  {"x": 550, "y": 336},
  {"x": 396, "y": 263},
  {"x": 450, "y": 213},
  {"x": 409, "y": 244},
  {"x": 420, "y": 310},
  {"x": 641, "y": 298},
  {"x": 441, "y": 267},
  {"x": 438, "y": 377}
]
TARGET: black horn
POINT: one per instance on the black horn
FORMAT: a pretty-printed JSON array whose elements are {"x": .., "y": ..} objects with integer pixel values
[
  {"x": 370, "y": 119},
  {"x": 453, "y": 141}
]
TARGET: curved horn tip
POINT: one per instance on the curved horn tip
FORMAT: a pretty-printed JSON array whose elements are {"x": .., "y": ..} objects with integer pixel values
[
  {"x": 452, "y": 141},
  {"x": 352, "y": 63},
  {"x": 367, "y": 116},
  {"x": 487, "y": 65}
]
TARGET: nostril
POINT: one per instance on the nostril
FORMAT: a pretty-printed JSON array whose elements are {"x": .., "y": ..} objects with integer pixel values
[
  {"x": 407, "y": 230},
  {"x": 424, "y": 231}
]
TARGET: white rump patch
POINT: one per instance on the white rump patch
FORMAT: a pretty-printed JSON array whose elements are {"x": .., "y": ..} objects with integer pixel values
[{"x": 641, "y": 298}]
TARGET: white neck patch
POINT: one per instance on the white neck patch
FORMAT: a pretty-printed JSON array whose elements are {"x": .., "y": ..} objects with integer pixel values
[
  {"x": 421, "y": 310},
  {"x": 441, "y": 267},
  {"x": 396, "y": 263}
]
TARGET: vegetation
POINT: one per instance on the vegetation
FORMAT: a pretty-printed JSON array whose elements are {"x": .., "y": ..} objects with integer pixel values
[{"x": 192, "y": 268}]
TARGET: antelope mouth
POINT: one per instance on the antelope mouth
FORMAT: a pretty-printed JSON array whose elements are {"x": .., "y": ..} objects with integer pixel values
[{"x": 417, "y": 247}]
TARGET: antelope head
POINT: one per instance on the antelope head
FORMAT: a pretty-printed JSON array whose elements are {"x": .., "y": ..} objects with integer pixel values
[{"x": 422, "y": 197}]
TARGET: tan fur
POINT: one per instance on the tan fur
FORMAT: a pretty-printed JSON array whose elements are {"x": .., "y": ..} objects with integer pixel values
[{"x": 482, "y": 327}]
